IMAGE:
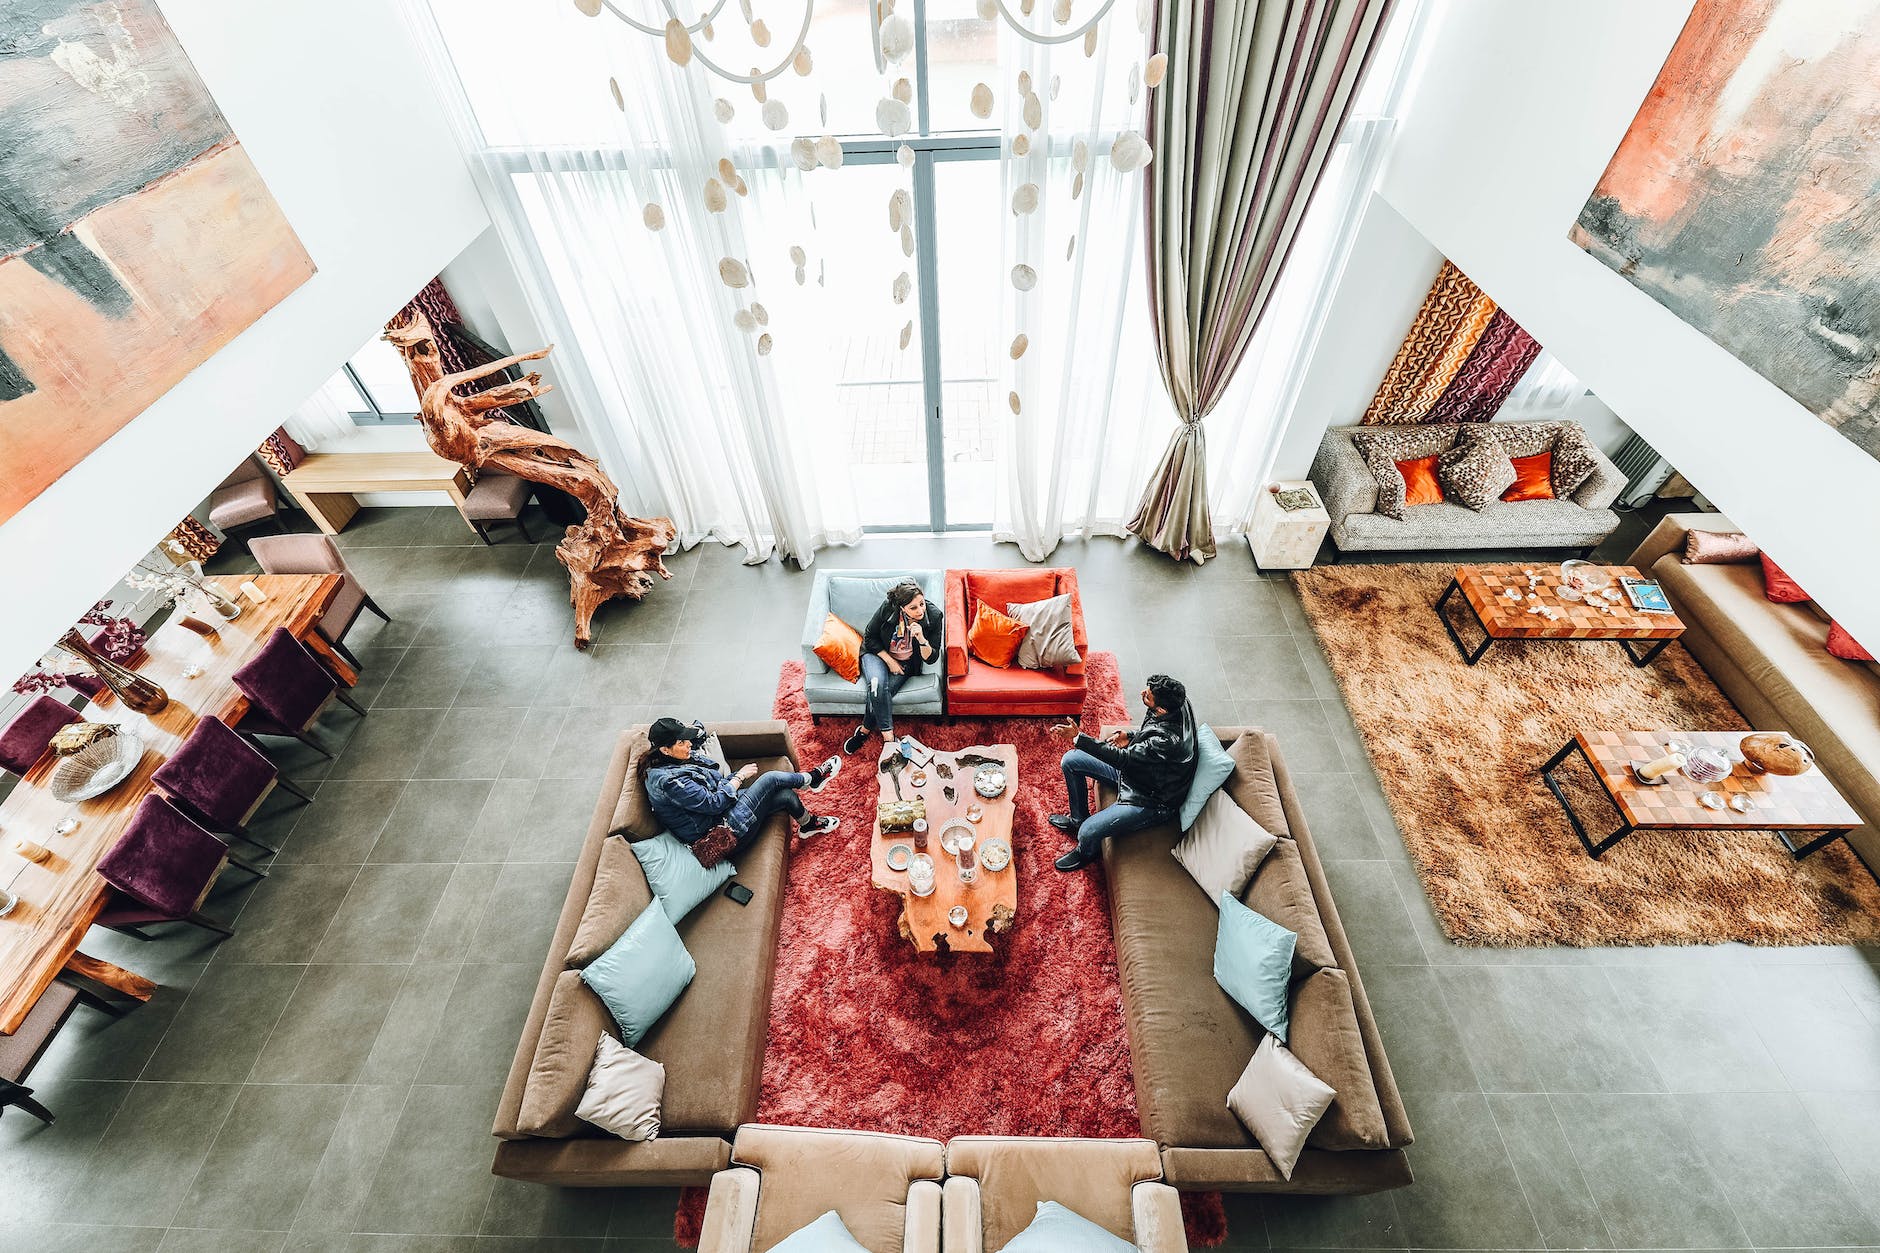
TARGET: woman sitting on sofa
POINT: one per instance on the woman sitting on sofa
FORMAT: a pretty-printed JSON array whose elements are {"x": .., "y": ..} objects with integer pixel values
[
  {"x": 691, "y": 793},
  {"x": 902, "y": 639}
]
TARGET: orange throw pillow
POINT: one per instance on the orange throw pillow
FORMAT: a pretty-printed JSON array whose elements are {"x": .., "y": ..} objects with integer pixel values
[
  {"x": 1533, "y": 478},
  {"x": 1845, "y": 646},
  {"x": 994, "y": 638},
  {"x": 840, "y": 647},
  {"x": 1419, "y": 482}
]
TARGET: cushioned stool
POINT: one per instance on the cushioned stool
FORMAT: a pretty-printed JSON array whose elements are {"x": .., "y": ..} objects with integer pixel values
[{"x": 497, "y": 498}]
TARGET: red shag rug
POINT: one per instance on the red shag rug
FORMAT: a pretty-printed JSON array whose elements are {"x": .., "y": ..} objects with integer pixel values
[{"x": 865, "y": 1033}]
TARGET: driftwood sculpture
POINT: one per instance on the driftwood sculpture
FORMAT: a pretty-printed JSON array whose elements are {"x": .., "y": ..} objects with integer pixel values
[{"x": 610, "y": 554}]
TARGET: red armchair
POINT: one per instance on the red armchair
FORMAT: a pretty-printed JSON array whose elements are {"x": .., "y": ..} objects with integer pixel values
[{"x": 975, "y": 688}]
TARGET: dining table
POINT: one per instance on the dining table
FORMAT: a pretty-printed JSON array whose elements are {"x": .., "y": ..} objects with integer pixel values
[{"x": 61, "y": 895}]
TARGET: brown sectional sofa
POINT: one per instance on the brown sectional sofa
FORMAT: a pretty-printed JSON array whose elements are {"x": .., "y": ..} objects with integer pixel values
[
  {"x": 1189, "y": 1041},
  {"x": 1772, "y": 662},
  {"x": 711, "y": 1042}
]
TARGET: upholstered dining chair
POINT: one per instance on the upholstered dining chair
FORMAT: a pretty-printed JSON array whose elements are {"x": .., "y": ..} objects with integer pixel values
[
  {"x": 317, "y": 554},
  {"x": 24, "y": 741},
  {"x": 287, "y": 690},
  {"x": 21, "y": 1050},
  {"x": 162, "y": 867},
  {"x": 244, "y": 498},
  {"x": 220, "y": 780},
  {"x": 497, "y": 497}
]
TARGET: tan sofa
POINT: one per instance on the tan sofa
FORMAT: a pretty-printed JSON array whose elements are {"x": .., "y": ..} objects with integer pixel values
[
  {"x": 1189, "y": 1041},
  {"x": 1771, "y": 661},
  {"x": 712, "y": 1040},
  {"x": 885, "y": 1188},
  {"x": 994, "y": 1184}
]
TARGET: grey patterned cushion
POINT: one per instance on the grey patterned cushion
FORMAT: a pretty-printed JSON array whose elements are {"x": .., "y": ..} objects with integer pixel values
[
  {"x": 1574, "y": 460},
  {"x": 1382, "y": 447},
  {"x": 1520, "y": 439},
  {"x": 1476, "y": 470}
]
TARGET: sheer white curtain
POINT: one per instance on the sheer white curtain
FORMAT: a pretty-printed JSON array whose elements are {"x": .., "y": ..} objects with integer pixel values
[
  {"x": 320, "y": 420},
  {"x": 1546, "y": 390},
  {"x": 685, "y": 411}
]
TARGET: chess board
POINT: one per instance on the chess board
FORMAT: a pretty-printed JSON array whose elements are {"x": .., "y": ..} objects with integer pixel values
[
  {"x": 1486, "y": 588},
  {"x": 1780, "y": 802}
]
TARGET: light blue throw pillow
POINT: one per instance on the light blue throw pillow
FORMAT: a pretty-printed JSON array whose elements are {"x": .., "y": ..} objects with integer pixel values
[
  {"x": 828, "y": 1234},
  {"x": 854, "y": 600},
  {"x": 1253, "y": 963},
  {"x": 675, "y": 876},
  {"x": 1212, "y": 766},
  {"x": 1056, "y": 1229},
  {"x": 642, "y": 974}
]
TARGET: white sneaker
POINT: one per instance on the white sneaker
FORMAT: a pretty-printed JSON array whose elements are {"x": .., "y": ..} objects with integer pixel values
[
  {"x": 820, "y": 825},
  {"x": 820, "y": 775}
]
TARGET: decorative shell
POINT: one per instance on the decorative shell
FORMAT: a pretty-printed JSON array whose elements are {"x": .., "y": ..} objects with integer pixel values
[
  {"x": 907, "y": 241},
  {"x": 1024, "y": 277},
  {"x": 775, "y": 115},
  {"x": 1021, "y": 144},
  {"x": 1024, "y": 78},
  {"x": 733, "y": 272},
  {"x": 715, "y": 195},
  {"x": 802, "y": 276},
  {"x": 709, "y": 31},
  {"x": 1056, "y": 82},
  {"x": 744, "y": 320},
  {"x": 1144, "y": 10},
  {"x": 760, "y": 313},
  {"x": 678, "y": 42},
  {"x": 727, "y": 171},
  {"x": 893, "y": 117},
  {"x": 1061, "y": 12},
  {"x": 1080, "y": 156},
  {"x": 722, "y": 110},
  {"x": 757, "y": 87},
  {"x": 1020, "y": 342},
  {"x": 1156, "y": 70},
  {"x": 903, "y": 91},
  {"x": 797, "y": 255},
  {"x": 740, "y": 186},
  {"x": 1025, "y": 199},
  {"x": 1135, "y": 81},
  {"x": 1034, "y": 110},
  {"x": 900, "y": 209},
  {"x": 763, "y": 345},
  {"x": 590, "y": 7},
  {"x": 620, "y": 101},
  {"x": 803, "y": 152},
  {"x": 1025, "y": 7},
  {"x": 1012, "y": 400},
  {"x": 760, "y": 33},
  {"x": 829, "y": 152},
  {"x": 903, "y": 285},
  {"x": 1130, "y": 152},
  {"x": 803, "y": 62},
  {"x": 654, "y": 216},
  {"x": 907, "y": 335},
  {"x": 987, "y": 9},
  {"x": 905, "y": 155},
  {"x": 1090, "y": 42},
  {"x": 1070, "y": 247},
  {"x": 1077, "y": 185},
  {"x": 897, "y": 38},
  {"x": 981, "y": 104}
]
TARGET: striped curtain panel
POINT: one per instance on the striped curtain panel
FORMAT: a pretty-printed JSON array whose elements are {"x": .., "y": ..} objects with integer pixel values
[{"x": 1458, "y": 362}]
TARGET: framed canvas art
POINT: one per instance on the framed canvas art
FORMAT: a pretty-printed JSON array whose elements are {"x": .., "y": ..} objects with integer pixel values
[
  {"x": 1745, "y": 197},
  {"x": 136, "y": 237}
]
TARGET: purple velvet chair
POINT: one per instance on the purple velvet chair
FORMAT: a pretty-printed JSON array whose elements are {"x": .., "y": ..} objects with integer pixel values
[
  {"x": 24, "y": 741},
  {"x": 287, "y": 690},
  {"x": 162, "y": 867},
  {"x": 220, "y": 780},
  {"x": 316, "y": 554}
]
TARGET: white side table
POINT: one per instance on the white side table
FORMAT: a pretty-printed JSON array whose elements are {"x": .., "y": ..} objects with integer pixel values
[{"x": 1287, "y": 539}]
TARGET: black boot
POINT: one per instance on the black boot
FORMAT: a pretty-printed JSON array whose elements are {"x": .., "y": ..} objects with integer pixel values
[
  {"x": 857, "y": 738},
  {"x": 1065, "y": 823},
  {"x": 1073, "y": 860}
]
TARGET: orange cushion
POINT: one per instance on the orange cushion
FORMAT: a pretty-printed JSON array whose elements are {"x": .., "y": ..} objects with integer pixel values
[
  {"x": 1419, "y": 481},
  {"x": 994, "y": 638},
  {"x": 1845, "y": 646},
  {"x": 1533, "y": 478},
  {"x": 840, "y": 647},
  {"x": 1779, "y": 587},
  {"x": 1000, "y": 588}
]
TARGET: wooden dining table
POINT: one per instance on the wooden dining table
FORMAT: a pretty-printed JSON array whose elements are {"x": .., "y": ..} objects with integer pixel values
[{"x": 60, "y": 897}]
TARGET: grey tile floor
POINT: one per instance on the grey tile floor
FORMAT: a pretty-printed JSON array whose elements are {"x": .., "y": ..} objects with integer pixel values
[{"x": 325, "y": 1080}]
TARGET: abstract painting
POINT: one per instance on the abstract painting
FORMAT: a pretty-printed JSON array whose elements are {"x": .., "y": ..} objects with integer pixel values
[
  {"x": 1745, "y": 197},
  {"x": 136, "y": 237}
]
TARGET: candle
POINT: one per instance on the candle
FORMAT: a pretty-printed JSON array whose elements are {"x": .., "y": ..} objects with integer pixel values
[
  {"x": 31, "y": 851},
  {"x": 1663, "y": 766},
  {"x": 252, "y": 592}
]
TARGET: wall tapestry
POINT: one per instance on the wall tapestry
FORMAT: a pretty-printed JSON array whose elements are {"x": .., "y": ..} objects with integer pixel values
[
  {"x": 136, "y": 238},
  {"x": 1458, "y": 361},
  {"x": 1743, "y": 197}
]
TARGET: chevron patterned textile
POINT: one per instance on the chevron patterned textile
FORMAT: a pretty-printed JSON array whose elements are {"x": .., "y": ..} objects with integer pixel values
[
  {"x": 1500, "y": 358},
  {"x": 1457, "y": 363}
]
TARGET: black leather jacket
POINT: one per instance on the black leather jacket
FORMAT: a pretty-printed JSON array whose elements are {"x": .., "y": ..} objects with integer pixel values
[{"x": 1158, "y": 764}]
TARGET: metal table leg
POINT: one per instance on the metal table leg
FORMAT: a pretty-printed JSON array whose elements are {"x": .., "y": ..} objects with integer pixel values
[
  {"x": 1592, "y": 848},
  {"x": 1442, "y": 616},
  {"x": 1645, "y": 658},
  {"x": 1814, "y": 845}
]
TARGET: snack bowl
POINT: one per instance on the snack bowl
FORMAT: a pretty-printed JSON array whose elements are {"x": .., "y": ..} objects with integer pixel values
[
  {"x": 96, "y": 768},
  {"x": 957, "y": 915},
  {"x": 989, "y": 781},
  {"x": 996, "y": 855}
]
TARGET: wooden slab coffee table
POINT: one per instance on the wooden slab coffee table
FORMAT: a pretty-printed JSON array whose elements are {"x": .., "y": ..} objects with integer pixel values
[
  {"x": 991, "y": 900},
  {"x": 1484, "y": 589},
  {"x": 1779, "y": 803}
]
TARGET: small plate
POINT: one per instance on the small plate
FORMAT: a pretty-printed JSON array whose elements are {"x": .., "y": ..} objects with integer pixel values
[
  {"x": 899, "y": 855},
  {"x": 957, "y": 915},
  {"x": 1741, "y": 803},
  {"x": 996, "y": 855},
  {"x": 97, "y": 768}
]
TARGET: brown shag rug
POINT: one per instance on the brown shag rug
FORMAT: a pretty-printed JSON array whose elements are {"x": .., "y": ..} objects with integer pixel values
[{"x": 1458, "y": 750}]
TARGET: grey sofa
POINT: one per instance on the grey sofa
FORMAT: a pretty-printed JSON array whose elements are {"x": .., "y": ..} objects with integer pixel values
[
  {"x": 853, "y": 596},
  {"x": 1350, "y": 493}
]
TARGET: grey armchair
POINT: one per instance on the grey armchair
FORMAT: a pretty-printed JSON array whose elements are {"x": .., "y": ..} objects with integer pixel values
[{"x": 853, "y": 596}]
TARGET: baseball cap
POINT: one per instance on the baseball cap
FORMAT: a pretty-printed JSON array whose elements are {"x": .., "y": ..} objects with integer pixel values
[{"x": 666, "y": 732}]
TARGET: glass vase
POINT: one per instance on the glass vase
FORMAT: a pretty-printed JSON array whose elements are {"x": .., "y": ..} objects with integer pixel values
[{"x": 133, "y": 689}]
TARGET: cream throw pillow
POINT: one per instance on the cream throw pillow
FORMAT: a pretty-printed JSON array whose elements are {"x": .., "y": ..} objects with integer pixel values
[
  {"x": 1224, "y": 847},
  {"x": 623, "y": 1092},
  {"x": 1280, "y": 1101},
  {"x": 1048, "y": 641}
]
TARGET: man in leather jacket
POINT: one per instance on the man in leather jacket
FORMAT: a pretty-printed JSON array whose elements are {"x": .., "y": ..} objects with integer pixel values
[{"x": 1150, "y": 768}]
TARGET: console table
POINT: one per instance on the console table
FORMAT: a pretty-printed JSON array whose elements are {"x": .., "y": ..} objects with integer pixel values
[{"x": 324, "y": 483}]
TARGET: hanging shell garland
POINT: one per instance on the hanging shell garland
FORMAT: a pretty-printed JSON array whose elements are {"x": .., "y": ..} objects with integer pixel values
[
  {"x": 722, "y": 110},
  {"x": 678, "y": 43},
  {"x": 1024, "y": 277},
  {"x": 803, "y": 152},
  {"x": 740, "y": 186},
  {"x": 760, "y": 33},
  {"x": 1025, "y": 199},
  {"x": 797, "y": 256},
  {"x": 1020, "y": 342},
  {"x": 775, "y": 115},
  {"x": 757, "y": 87},
  {"x": 1034, "y": 110},
  {"x": 981, "y": 103},
  {"x": 903, "y": 91},
  {"x": 829, "y": 152},
  {"x": 802, "y": 276},
  {"x": 905, "y": 155},
  {"x": 760, "y": 313},
  {"x": 907, "y": 335},
  {"x": 744, "y": 320},
  {"x": 900, "y": 209},
  {"x": 1012, "y": 400},
  {"x": 763, "y": 345},
  {"x": 1021, "y": 144},
  {"x": 1090, "y": 42},
  {"x": 803, "y": 62},
  {"x": 715, "y": 195},
  {"x": 733, "y": 272},
  {"x": 620, "y": 101},
  {"x": 1077, "y": 185},
  {"x": 893, "y": 117},
  {"x": 1156, "y": 70},
  {"x": 903, "y": 285},
  {"x": 907, "y": 241},
  {"x": 727, "y": 171},
  {"x": 897, "y": 38},
  {"x": 590, "y": 7},
  {"x": 1080, "y": 156},
  {"x": 654, "y": 216},
  {"x": 1024, "y": 79},
  {"x": 1130, "y": 152},
  {"x": 1061, "y": 12}
]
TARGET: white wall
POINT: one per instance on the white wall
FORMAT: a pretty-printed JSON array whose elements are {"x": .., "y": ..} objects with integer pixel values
[
  {"x": 1516, "y": 117},
  {"x": 331, "y": 103}
]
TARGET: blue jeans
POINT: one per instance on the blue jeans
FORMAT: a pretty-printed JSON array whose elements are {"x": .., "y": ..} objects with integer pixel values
[
  {"x": 879, "y": 684},
  {"x": 769, "y": 792},
  {"x": 1117, "y": 819}
]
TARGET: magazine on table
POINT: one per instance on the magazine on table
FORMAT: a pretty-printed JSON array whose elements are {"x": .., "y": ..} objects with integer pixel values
[{"x": 1645, "y": 594}]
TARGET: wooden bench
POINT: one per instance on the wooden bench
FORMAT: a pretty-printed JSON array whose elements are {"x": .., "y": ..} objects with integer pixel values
[{"x": 325, "y": 483}]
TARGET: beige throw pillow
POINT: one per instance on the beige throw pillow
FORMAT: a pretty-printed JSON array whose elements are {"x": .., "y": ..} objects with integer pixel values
[
  {"x": 623, "y": 1092},
  {"x": 1048, "y": 641},
  {"x": 1280, "y": 1101},
  {"x": 1224, "y": 847}
]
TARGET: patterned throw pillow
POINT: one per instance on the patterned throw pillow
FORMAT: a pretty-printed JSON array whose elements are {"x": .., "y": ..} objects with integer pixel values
[
  {"x": 1383, "y": 447},
  {"x": 1524, "y": 439},
  {"x": 1574, "y": 460},
  {"x": 1477, "y": 470}
]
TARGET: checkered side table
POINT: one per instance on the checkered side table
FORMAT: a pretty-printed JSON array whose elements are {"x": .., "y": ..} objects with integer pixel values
[{"x": 1287, "y": 539}]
